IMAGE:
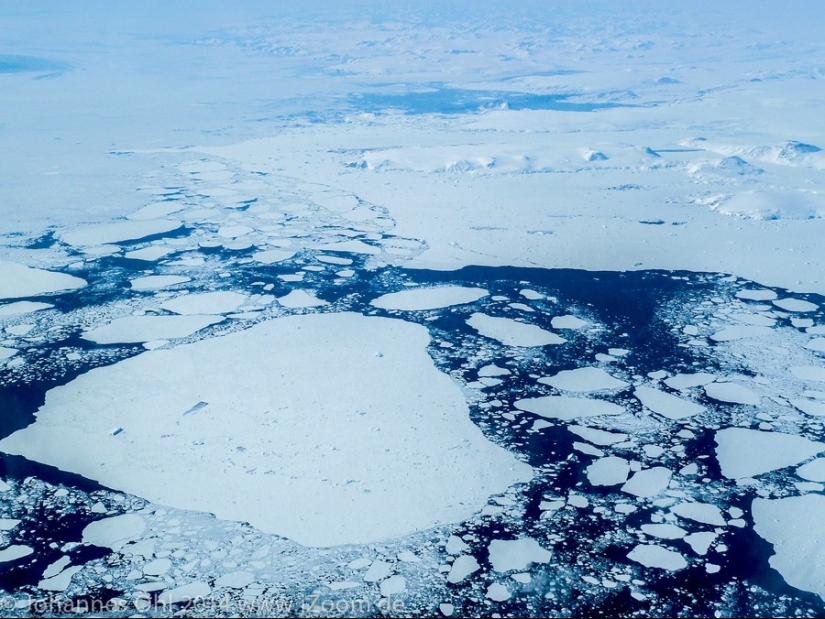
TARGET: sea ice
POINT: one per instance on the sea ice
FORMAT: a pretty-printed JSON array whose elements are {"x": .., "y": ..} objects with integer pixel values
[
  {"x": 23, "y": 307},
  {"x": 740, "y": 332},
  {"x": 817, "y": 344},
  {"x": 14, "y": 552},
  {"x": 700, "y": 512},
  {"x": 294, "y": 411},
  {"x": 666, "y": 404},
  {"x": 568, "y": 322},
  {"x": 118, "y": 231},
  {"x": 742, "y": 452},
  {"x": 583, "y": 379},
  {"x": 17, "y": 280},
  {"x": 813, "y": 471},
  {"x": 153, "y": 282},
  {"x": 149, "y": 254},
  {"x": 664, "y": 531},
  {"x": 271, "y": 256},
  {"x": 462, "y": 567},
  {"x": 796, "y": 305},
  {"x": 300, "y": 299},
  {"x": 648, "y": 482},
  {"x": 114, "y": 532},
  {"x": 598, "y": 437},
  {"x": 651, "y": 555},
  {"x": 757, "y": 295},
  {"x": 512, "y": 333},
  {"x": 517, "y": 554},
  {"x": 731, "y": 393},
  {"x": 498, "y": 592},
  {"x": 567, "y": 408},
  {"x": 136, "y": 329},
  {"x": 435, "y": 297},
  {"x": 809, "y": 372},
  {"x": 809, "y": 407},
  {"x": 609, "y": 471},
  {"x": 219, "y": 302},
  {"x": 686, "y": 381}
]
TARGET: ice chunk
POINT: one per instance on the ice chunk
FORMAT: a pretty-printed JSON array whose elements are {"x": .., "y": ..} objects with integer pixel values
[
  {"x": 7, "y": 524},
  {"x": 740, "y": 332},
  {"x": 517, "y": 554},
  {"x": 307, "y": 401},
  {"x": 664, "y": 531},
  {"x": 755, "y": 319},
  {"x": 493, "y": 370},
  {"x": 435, "y": 297},
  {"x": 338, "y": 260},
  {"x": 462, "y": 567},
  {"x": 817, "y": 344},
  {"x": 7, "y": 353},
  {"x": 14, "y": 552},
  {"x": 700, "y": 512},
  {"x": 271, "y": 256},
  {"x": 796, "y": 305},
  {"x": 796, "y": 528},
  {"x": 686, "y": 381},
  {"x": 731, "y": 393},
  {"x": 597, "y": 437},
  {"x": 136, "y": 329},
  {"x": 809, "y": 372},
  {"x": 512, "y": 333},
  {"x": 757, "y": 295},
  {"x": 666, "y": 404},
  {"x": 813, "y": 471},
  {"x": 119, "y": 231},
  {"x": 742, "y": 452},
  {"x": 700, "y": 542},
  {"x": 185, "y": 594},
  {"x": 378, "y": 571},
  {"x": 114, "y": 532},
  {"x": 301, "y": 298},
  {"x": 810, "y": 407},
  {"x": 648, "y": 482},
  {"x": 149, "y": 254},
  {"x": 583, "y": 379},
  {"x": 567, "y": 408},
  {"x": 609, "y": 471},
  {"x": 17, "y": 280},
  {"x": 393, "y": 586},
  {"x": 153, "y": 282},
  {"x": 568, "y": 322},
  {"x": 531, "y": 295},
  {"x": 651, "y": 555},
  {"x": 22, "y": 307},
  {"x": 498, "y": 592},
  {"x": 220, "y": 302},
  {"x": 157, "y": 567},
  {"x": 61, "y": 581}
]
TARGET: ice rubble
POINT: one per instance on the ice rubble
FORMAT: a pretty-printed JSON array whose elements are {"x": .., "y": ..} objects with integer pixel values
[
  {"x": 436, "y": 297},
  {"x": 359, "y": 457}
]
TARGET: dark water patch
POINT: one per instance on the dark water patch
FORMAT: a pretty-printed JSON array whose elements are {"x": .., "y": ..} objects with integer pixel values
[{"x": 44, "y": 241}]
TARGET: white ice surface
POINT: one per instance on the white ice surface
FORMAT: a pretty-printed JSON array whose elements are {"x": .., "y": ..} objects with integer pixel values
[
  {"x": 18, "y": 280},
  {"x": 297, "y": 408},
  {"x": 137, "y": 329},
  {"x": 666, "y": 404},
  {"x": 813, "y": 471},
  {"x": 686, "y": 381},
  {"x": 23, "y": 307},
  {"x": 659, "y": 557},
  {"x": 597, "y": 437},
  {"x": 609, "y": 471},
  {"x": 300, "y": 298},
  {"x": 568, "y": 322},
  {"x": 118, "y": 231},
  {"x": 817, "y": 344},
  {"x": 704, "y": 513},
  {"x": 648, "y": 482},
  {"x": 153, "y": 282},
  {"x": 462, "y": 567},
  {"x": 583, "y": 380},
  {"x": 516, "y": 554},
  {"x": 271, "y": 256},
  {"x": 809, "y": 372},
  {"x": 796, "y": 528},
  {"x": 795, "y": 305},
  {"x": 567, "y": 408},
  {"x": 219, "y": 302},
  {"x": 114, "y": 532},
  {"x": 14, "y": 552},
  {"x": 429, "y": 298},
  {"x": 740, "y": 332},
  {"x": 742, "y": 452},
  {"x": 731, "y": 393},
  {"x": 809, "y": 407},
  {"x": 148, "y": 254},
  {"x": 664, "y": 531},
  {"x": 7, "y": 353},
  {"x": 512, "y": 333}
]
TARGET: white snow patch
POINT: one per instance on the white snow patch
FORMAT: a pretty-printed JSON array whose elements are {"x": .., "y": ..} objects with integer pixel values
[
  {"x": 136, "y": 329},
  {"x": 512, "y": 333},
  {"x": 583, "y": 379},
  {"x": 651, "y": 555},
  {"x": 349, "y": 441},
  {"x": 436, "y": 297},
  {"x": 742, "y": 452},
  {"x": 666, "y": 404},
  {"x": 567, "y": 408},
  {"x": 517, "y": 554},
  {"x": 18, "y": 280}
]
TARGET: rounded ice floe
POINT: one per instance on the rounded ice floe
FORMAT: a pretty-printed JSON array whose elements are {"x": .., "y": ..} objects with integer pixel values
[
  {"x": 701, "y": 541},
  {"x": 666, "y": 404},
  {"x": 583, "y": 379},
  {"x": 755, "y": 319},
  {"x": 531, "y": 295},
  {"x": 511, "y": 332},
  {"x": 609, "y": 471},
  {"x": 704, "y": 513},
  {"x": 153, "y": 282},
  {"x": 493, "y": 370},
  {"x": 757, "y": 295},
  {"x": 813, "y": 471},
  {"x": 648, "y": 482},
  {"x": 742, "y": 452},
  {"x": 568, "y": 322},
  {"x": 651, "y": 555},
  {"x": 816, "y": 344},
  {"x": 598, "y": 437},
  {"x": 137, "y": 329},
  {"x": 17, "y": 280},
  {"x": 393, "y": 585},
  {"x": 810, "y": 407},
  {"x": 809, "y": 372},
  {"x": 516, "y": 554},
  {"x": 22, "y": 307},
  {"x": 234, "y": 580},
  {"x": 795, "y": 305},
  {"x": 664, "y": 531},
  {"x": 731, "y": 393},
  {"x": 686, "y": 381},
  {"x": 740, "y": 332},
  {"x": 350, "y": 443},
  {"x": 114, "y": 532},
  {"x": 796, "y": 528},
  {"x": 566, "y": 408},
  {"x": 219, "y": 302},
  {"x": 15, "y": 552},
  {"x": 462, "y": 567},
  {"x": 299, "y": 299},
  {"x": 119, "y": 231},
  {"x": 435, "y": 297},
  {"x": 498, "y": 592}
]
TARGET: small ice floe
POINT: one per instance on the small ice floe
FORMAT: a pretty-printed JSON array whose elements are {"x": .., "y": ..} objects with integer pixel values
[
  {"x": 742, "y": 452},
  {"x": 686, "y": 381},
  {"x": 756, "y": 295},
  {"x": 809, "y": 407},
  {"x": 186, "y": 593},
  {"x": 7, "y": 524},
  {"x": 568, "y": 322},
  {"x": 816, "y": 344},
  {"x": 219, "y": 302},
  {"x": 137, "y": 329},
  {"x": 271, "y": 256},
  {"x": 299, "y": 299},
  {"x": 664, "y": 531},
  {"x": 493, "y": 370},
  {"x": 462, "y": 567},
  {"x": 651, "y": 555},
  {"x": 704, "y": 513},
  {"x": 598, "y": 437},
  {"x": 740, "y": 332},
  {"x": 531, "y": 295},
  {"x": 154, "y": 282},
  {"x": 666, "y": 404},
  {"x": 118, "y": 231},
  {"x": 609, "y": 471},
  {"x": 517, "y": 554},
  {"x": 234, "y": 580},
  {"x": 731, "y": 393},
  {"x": 14, "y": 552},
  {"x": 795, "y": 305},
  {"x": 149, "y": 254},
  {"x": 7, "y": 353},
  {"x": 755, "y": 319},
  {"x": 114, "y": 532},
  {"x": 18, "y": 280},
  {"x": 436, "y": 297},
  {"x": 567, "y": 408},
  {"x": 23, "y": 307},
  {"x": 498, "y": 592},
  {"x": 337, "y": 260},
  {"x": 813, "y": 471},
  {"x": 809, "y": 372},
  {"x": 583, "y": 380},
  {"x": 701, "y": 542},
  {"x": 511, "y": 332},
  {"x": 648, "y": 482}
]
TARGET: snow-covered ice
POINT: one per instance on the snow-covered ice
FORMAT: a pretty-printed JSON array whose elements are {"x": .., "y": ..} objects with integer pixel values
[
  {"x": 568, "y": 408},
  {"x": 667, "y": 404},
  {"x": 516, "y": 554},
  {"x": 731, "y": 393},
  {"x": 19, "y": 280},
  {"x": 512, "y": 333},
  {"x": 743, "y": 452},
  {"x": 651, "y": 555},
  {"x": 137, "y": 329},
  {"x": 429, "y": 298},
  {"x": 583, "y": 380}
]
